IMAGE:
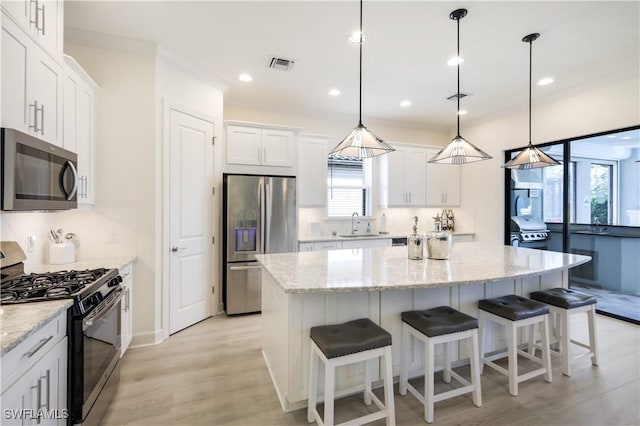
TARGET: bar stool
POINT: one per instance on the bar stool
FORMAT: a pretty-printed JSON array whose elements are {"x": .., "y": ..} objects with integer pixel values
[
  {"x": 514, "y": 312},
  {"x": 435, "y": 326},
  {"x": 341, "y": 344},
  {"x": 564, "y": 302}
]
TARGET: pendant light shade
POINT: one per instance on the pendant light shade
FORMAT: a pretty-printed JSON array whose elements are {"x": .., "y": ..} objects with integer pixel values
[
  {"x": 531, "y": 157},
  {"x": 360, "y": 142},
  {"x": 459, "y": 150}
]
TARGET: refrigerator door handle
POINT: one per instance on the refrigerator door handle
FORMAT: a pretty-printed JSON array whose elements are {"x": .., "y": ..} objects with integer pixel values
[
  {"x": 243, "y": 268},
  {"x": 262, "y": 197},
  {"x": 268, "y": 211}
]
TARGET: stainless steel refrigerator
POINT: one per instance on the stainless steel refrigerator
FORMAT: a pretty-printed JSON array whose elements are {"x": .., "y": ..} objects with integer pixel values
[{"x": 259, "y": 217}]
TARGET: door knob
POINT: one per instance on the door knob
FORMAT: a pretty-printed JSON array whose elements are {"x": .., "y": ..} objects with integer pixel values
[{"x": 174, "y": 249}]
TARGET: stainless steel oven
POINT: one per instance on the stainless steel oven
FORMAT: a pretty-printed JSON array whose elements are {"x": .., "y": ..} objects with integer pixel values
[
  {"x": 94, "y": 369},
  {"x": 36, "y": 175}
]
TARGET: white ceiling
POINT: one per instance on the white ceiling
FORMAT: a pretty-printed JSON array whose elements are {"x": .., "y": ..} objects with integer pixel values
[{"x": 405, "y": 55}]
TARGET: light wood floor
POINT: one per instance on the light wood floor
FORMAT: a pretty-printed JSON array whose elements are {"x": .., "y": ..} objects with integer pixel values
[{"x": 213, "y": 373}]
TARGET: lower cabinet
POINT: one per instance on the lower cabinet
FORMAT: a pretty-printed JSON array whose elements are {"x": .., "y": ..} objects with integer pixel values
[
  {"x": 126, "y": 329},
  {"x": 347, "y": 244},
  {"x": 34, "y": 390}
]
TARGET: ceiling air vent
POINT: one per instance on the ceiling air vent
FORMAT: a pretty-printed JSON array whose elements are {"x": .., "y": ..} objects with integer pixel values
[
  {"x": 454, "y": 97},
  {"x": 281, "y": 64}
]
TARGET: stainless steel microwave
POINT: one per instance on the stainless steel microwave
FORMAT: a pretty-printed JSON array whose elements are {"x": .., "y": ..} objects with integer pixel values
[{"x": 36, "y": 175}]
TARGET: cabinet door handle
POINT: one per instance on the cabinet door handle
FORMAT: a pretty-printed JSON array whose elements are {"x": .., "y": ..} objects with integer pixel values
[
  {"x": 43, "y": 19},
  {"x": 126, "y": 300},
  {"x": 34, "y": 105},
  {"x": 37, "y": 347},
  {"x": 31, "y": 21},
  {"x": 47, "y": 377},
  {"x": 259, "y": 155},
  {"x": 41, "y": 119},
  {"x": 264, "y": 154}
]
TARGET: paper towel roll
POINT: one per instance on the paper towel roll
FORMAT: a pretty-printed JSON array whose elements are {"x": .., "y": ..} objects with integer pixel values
[{"x": 60, "y": 254}]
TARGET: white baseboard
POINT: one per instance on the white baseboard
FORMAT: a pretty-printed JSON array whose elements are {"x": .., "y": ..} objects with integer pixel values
[{"x": 146, "y": 339}]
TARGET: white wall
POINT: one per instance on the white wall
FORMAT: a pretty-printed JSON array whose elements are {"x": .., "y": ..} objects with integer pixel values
[
  {"x": 126, "y": 160},
  {"x": 182, "y": 90},
  {"x": 605, "y": 108}
]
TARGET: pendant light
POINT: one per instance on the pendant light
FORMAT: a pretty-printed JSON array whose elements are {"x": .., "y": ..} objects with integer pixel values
[
  {"x": 459, "y": 150},
  {"x": 360, "y": 143},
  {"x": 531, "y": 157}
]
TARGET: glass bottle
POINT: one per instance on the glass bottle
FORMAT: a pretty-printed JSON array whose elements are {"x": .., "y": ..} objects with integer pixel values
[
  {"x": 415, "y": 245},
  {"x": 439, "y": 244}
]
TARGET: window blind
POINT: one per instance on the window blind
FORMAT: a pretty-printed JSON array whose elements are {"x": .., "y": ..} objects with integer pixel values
[{"x": 347, "y": 189}]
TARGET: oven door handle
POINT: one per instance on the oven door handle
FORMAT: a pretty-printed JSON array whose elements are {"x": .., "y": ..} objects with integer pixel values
[{"x": 102, "y": 309}]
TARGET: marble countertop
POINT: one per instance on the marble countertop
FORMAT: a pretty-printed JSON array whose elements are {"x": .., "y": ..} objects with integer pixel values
[
  {"x": 389, "y": 268},
  {"x": 80, "y": 265},
  {"x": 363, "y": 237},
  {"x": 21, "y": 320}
]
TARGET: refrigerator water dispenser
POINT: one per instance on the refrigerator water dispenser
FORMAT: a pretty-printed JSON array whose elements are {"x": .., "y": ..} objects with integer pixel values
[{"x": 245, "y": 239}]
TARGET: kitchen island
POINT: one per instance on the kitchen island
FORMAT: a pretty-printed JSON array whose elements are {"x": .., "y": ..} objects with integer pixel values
[{"x": 302, "y": 290}]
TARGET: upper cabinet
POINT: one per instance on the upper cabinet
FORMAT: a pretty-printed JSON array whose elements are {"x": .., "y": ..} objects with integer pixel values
[
  {"x": 78, "y": 128},
  {"x": 443, "y": 182},
  {"x": 312, "y": 170},
  {"x": 31, "y": 84},
  {"x": 42, "y": 20},
  {"x": 402, "y": 176},
  {"x": 260, "y": 145}
]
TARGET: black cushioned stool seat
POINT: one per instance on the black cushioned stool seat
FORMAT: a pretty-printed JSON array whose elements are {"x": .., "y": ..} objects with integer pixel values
[
  {"x": 349, "y": 337},
  {"x": 514, "y": 307},
  {"x": 439, "y": 321},
  {"x": 563, "y": 298}
]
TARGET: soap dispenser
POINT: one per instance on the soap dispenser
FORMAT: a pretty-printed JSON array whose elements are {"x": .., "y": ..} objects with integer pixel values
[{"x": 414, "y": 243}]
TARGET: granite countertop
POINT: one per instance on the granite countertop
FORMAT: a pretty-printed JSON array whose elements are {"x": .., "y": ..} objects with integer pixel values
[
  {"x": 363, "y": 237},
  {"x": 389, "y": 268},
  {"x": 80, "y": 265},
  {"x": 19, "y": 321}
]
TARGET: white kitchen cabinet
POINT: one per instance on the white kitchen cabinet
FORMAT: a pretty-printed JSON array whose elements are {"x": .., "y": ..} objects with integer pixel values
[
  {"x": 31, "y": 85},
  {"x": 327, "y": 245},
  {"x": 42, "y": 20},
  {"x": 305, "y": 246},
  {"x": 255, "y": 146},
  {"x": 312, "y": 170},
  {"x": 402, "y": 176},
  {"x": 78, "y": 124},
  {"x": 443, "y": 183},
  {"x": 366, "y": 243},
  {"x": 126, "y": 330},
  {"x": 34, "y": 377}
]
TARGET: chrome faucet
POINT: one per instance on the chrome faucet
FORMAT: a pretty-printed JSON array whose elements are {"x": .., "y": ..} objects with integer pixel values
[{"x": 354, "y": 224}]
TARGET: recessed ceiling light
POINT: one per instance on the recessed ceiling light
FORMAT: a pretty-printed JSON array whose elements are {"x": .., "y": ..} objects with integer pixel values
[
  {"x": 245, "y": 77},
  {"x": 610, "y": 136},
  {"x": 355, "y": 37},
  {"x": 334, "y": 92},
  {"x": 405, "y": 103},
  {"x": 455, "y": 61},
  {"x": 626, "y": 137},
  {"x": 462, "y": 112},
  {"x": 545, "y": 81}
]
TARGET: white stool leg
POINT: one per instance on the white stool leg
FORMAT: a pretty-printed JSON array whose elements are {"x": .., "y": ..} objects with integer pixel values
[
  {"x": 447, "y": 362},
  {"x": 482, "y": 323},
  {"x": 405, "y": 345},
  {"x": 513, "y": 359},
  {"x": 313, "y": 384},
  {"x": 546, "y": 351},
  {"x": 387, "y": 373},
  {"x": 532, "y": 339},
  {"x": 367, "y": 383},
  {"x": 475, "y": 369},
  {"x": 329, "y": 389},
  {"x": 565, "y": 345},
  {"x": 428, "y": 381},
  {"x": 593, "y": 343}
]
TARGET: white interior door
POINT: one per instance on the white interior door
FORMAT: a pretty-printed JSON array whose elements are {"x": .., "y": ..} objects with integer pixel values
[{"x": 191, "y": 220}]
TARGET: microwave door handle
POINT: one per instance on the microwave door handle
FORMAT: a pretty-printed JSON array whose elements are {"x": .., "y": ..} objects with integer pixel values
[{"x": 74, "y": 189}]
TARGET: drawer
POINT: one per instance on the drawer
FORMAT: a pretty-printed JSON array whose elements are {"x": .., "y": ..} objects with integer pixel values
[
  {"x": 126, "y": 272},
  {"x": 19, "y": 359}
]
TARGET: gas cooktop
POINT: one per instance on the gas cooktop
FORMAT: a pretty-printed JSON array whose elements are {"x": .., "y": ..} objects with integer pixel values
[{"x": 53, "y": 285}]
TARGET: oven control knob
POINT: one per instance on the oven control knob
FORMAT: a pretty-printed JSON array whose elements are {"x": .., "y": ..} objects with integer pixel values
[
  {"x": 115, "y": 281},
  {"x": 96, "y": 299}
]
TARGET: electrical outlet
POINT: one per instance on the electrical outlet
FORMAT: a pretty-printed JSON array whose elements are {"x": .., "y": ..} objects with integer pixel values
[
  {"x": 31, "y": 242},
  {"x": 113, "y": 237}
]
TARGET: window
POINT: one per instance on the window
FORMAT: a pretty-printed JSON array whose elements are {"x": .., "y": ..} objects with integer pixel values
[
  {"x": 601, "y": 191},
  {"x": 349, "y": 187}
]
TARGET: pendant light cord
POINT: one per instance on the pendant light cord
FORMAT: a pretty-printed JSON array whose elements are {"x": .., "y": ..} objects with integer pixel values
[
  {"x": 458, "y": 59},
  {"x": 530, "y": 77},
  {"x": 360, "y": 94}
]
